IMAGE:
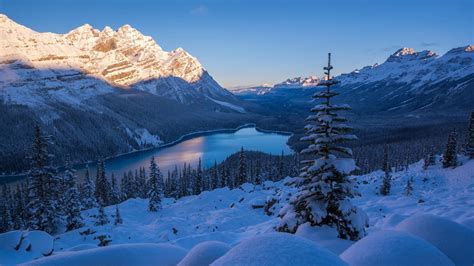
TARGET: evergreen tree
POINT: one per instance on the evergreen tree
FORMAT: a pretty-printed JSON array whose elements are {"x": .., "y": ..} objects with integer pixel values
[
  {"x": 223, "y": 180},
  {"x": 72, "y": 201},
  {"x": 197, "y": 188},
  {"x": 154, "y": 195},
  {"x": 19, "y": 212},
  {"x": 89, "y": 200},
  {"x": 324, "y": 187},
  {"x": 242, "y": 175},
  {"x": 118, "y": 219},
  {"x": 101, "y": 218},
  {"x": 450, "y": 154},
  {"x": 470, "y": 138},
  {"x": 214, "y": 177},
  {"x": 42, "y": 197},
  {"x": 430, "y": 158},
  {"x": 409, "y": 186},
  {"x": 387, "y": 178},
  {"x": 6, "y": 223},
  {"x": 114, "y": 191},
  {"x": 102, "y": 186}
]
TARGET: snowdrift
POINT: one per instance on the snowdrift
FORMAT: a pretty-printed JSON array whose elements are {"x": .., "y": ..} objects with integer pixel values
[
  {"x": 205, "y": 253},
  {"x": 394, "y": 248},
  {"x": 453, "y": 239},
  {"x": 278, "y": 249},
  {"x": 20, "y": 246},
  {"x": 127, "y": 254}
]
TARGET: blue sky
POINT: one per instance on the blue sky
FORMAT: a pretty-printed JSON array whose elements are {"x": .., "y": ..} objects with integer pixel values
[{"x": 250, "y": 42}]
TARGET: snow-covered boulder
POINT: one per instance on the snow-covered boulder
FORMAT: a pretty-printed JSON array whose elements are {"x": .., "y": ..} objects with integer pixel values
[
  {"x": 278, "y": 249},
  {"x": 20, "y": 246},
  {"x": 453, "y": 239},
  {"x": 205, "y": 253},
  {"x": 325, "y": 236},
  {"x": 393, "y": 248},
  {"x": 126, "y": 254}
]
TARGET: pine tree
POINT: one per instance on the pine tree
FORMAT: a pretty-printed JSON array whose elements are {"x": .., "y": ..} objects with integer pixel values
[
  {"x": 72, "y": 200},
  {"x": 89, "y": 199},
  {"x": 43, "y": 209},
  {"x": 154, "y": 195},
  {"x": 387, "y": 178},
  {"x": 19, "y": 212},
  {"x": 470, "y": 138},
  {"x": 6, "y": 223},
  {"x": 114, "y": 191},
  {"x": 101, "y": 218},
  {"x": 430, "y": 158},
  {"x": 409, "y": 187},
  {"x": 214, "y": 177},
  {"x": 102, "y": 186},
  {"x": 197, "y": 188},
  {"x": 118, "y": 219},
  {"x": 325, "y": 190},
  {"x": 223, "y": 180},
  {"x": 450, "y": 155},
  {"x": 242, "y": 175}
]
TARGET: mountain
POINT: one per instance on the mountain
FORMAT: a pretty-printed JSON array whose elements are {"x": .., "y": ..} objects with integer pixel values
[
  {"x": 407, "y": 82},
  {"x": 101, "y": 93}
]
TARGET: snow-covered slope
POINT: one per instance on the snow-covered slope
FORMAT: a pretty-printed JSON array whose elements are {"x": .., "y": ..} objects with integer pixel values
[
  {"x": 299, "y": 82},
  {"x": 239, "y": 216},
  {"x": 124, "y": 57}
]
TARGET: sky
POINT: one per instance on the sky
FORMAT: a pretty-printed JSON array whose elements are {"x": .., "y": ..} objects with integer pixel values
[{"x": 251, "y": 42}]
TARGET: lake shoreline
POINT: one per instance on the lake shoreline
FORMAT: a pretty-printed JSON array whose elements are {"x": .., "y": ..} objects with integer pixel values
[{"x": 5, "y": 179}]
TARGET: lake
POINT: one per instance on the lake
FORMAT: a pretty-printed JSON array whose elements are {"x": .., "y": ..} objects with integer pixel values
[{"x": 209, "y": 147}]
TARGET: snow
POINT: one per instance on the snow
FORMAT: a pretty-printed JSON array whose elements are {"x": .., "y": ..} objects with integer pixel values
[
  {"x": 278, "y": 249},
  {"x": 127, "y": 254},
  {"x": 17, "y": 246},
  {"x": 393, "y": 248},
  {"x": 229, "y": 105},
  {"x": 453, "y": 239},
  {"x": 205, "y": 253},
  {"x": 228, "y": 216}
]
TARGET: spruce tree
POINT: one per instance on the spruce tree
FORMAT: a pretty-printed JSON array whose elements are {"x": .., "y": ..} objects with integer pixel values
[
  {"x": 325, "y": 191},
  {"x": 409, "y": 186},
  {"x": 101, "y": 218},
  {"x": 387, "y": 178},
  {"x": 430, "y": 158},
  {"x": 450, "y": 154},
  {"x": 117, "y": 219},
  {"x": 114, "y": 191},
  {"x": 470, "y": 138},
  {"x": 43, "y": 209},
  {"x": 6, "y": 223},
  {"x": 102, "y": 186},
  {"x": 198, "y": 181},
  {"x": 89, "y": 199},
  {"x": 154, "y": 195},
  {"x": 72, "y": 200},
  {"x": 242, "y": 175},
  {"x": 214, "y": 177}
]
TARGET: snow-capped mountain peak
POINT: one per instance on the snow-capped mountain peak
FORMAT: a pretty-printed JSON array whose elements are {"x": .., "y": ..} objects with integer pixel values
[{"x": 409, "y": 54}]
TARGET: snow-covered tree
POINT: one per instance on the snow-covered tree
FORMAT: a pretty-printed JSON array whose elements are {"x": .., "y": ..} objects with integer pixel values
[
  {"x": 242, "y": 175},
  {"x": 430, "y": 158},
  {"x": 6, "y": 223},
  {"x": 101, "y": 218},
  {"x": 450, "y": 154},
  {"x": 89, "y": 200},
  {"x": 102, "y": 186},
  {"x": 117, "y": 219},
  {"x": 214, "y": 177},
  {"x": 409, "y": 186},
  {"x": 198, "y": 181},
  {"x": 470, "y": 138},
  {"x": 114, "y": 190},
  {"x": 325, "y": 191},
  {"x": 387, "y": 177},
  {"x": 155, "y": 193},
  {"x": 72, "y": 201},
  {"x": 43, "y": 209}
]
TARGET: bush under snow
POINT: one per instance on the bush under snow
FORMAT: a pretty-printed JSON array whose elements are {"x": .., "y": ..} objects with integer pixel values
[
  {"x": 394, "y": 248},
  {"x": 20, "y": 246},
  {"x": 278, "y": 249},
  {"x": 453, "y": 239},
  {"x": 205, "y": 253}
]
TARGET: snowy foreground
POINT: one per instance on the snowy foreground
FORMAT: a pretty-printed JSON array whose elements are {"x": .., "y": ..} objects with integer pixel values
[{"x": 433, "y": 226}]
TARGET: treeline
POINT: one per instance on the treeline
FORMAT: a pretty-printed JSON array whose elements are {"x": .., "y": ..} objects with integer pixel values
[{"x": 48, "y": 199}]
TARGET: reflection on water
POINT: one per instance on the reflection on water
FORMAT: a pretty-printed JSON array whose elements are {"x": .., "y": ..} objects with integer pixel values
[{"x": 210, "y": 148}]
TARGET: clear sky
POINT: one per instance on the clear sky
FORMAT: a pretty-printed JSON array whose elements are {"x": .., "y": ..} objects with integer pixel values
[{"x": 249, "y": 42}]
